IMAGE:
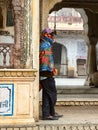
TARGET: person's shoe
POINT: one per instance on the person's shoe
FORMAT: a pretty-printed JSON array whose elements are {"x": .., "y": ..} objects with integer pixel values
[
  {"x": 57, "y": 115},
  {"x": 50, "y": 118}
]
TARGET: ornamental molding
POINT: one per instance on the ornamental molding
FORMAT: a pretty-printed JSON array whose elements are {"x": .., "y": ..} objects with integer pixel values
[
  {"x": 86, "y": 126},
  {"x": 44, "y": 126},
  {"x": 20, "y": 73},
  {"x": 75, "y": 103}
]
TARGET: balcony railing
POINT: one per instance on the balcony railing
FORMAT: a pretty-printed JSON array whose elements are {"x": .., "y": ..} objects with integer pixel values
[{"x": 6, "y": 57}]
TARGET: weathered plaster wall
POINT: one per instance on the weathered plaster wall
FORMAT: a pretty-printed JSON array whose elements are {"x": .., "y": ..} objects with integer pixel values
[{"x": 76, "y": 49}]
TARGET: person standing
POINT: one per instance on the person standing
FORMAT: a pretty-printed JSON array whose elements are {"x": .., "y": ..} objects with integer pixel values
[{"x": 47, "y": 71}]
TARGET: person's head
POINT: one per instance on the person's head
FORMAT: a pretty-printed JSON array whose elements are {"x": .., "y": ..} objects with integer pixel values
[{"x": 47, "y": 32}]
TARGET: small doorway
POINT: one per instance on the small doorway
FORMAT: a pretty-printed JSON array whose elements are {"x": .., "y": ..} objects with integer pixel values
[{"x": 81, "y": 67}]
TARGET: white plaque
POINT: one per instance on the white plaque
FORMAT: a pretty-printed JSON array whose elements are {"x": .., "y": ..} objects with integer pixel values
[{"x": 6, "y": 99}]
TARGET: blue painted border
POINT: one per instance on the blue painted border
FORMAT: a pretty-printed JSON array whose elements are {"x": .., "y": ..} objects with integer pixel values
[{"x": 12, "y": 98}]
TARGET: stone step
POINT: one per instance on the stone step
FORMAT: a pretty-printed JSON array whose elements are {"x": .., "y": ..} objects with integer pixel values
[
  {"x": 75, "y": 99},
  {"x": 77, "y": 90}
]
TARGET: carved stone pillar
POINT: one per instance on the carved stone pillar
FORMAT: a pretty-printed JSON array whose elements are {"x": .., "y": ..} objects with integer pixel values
[
  {"x": 28, "y": 55},
  {"x": 91, "y": 63},
  {"x": 18, "y": 20},
  {"x": 35, "y": 52},
  {"x": 93, "y": 38}
]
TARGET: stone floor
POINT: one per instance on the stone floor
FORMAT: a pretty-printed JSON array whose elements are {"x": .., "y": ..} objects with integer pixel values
[{"x": 74, "y": 115}]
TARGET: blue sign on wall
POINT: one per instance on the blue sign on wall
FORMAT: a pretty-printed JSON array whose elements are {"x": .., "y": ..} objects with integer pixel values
[{"x": 6, "y": 99}]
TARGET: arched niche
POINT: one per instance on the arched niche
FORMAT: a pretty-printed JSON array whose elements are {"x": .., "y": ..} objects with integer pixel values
[{"x": 60, "y": 58}]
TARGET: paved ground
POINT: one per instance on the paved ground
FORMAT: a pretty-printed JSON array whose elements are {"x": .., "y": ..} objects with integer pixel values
[{"x": 75, "y": 115}]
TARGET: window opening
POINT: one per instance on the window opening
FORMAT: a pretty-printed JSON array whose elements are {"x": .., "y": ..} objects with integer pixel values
[
  {"x": 1, "y": 18},
  {"x": 9, "y": 19}
]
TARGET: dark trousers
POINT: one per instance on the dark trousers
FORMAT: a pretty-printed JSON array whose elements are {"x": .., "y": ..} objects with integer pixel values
[{"x": 49, "y": 96}]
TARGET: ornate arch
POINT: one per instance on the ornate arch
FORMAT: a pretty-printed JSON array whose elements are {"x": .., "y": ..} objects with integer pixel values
[
  {"x": 85, "y": 23},
  {"x": 55, "y": 6},
  {"x": 45, "y": 10}
]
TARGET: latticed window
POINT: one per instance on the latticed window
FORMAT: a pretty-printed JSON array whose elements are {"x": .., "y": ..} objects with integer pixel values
[{"x": 5, "y": 55}]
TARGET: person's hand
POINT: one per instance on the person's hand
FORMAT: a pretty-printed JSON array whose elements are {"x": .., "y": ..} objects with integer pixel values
[
  {"x": 55, "y": 71},
  {"x": 40, "y": 86}
]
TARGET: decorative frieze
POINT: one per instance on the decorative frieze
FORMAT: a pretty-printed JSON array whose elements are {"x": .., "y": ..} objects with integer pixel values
[
  {"x": 67, "y": 127},
  {"x": 54, "y": 127},
  {"x": 76, "y": 103},
  {"x": 17, "y": 73}
]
